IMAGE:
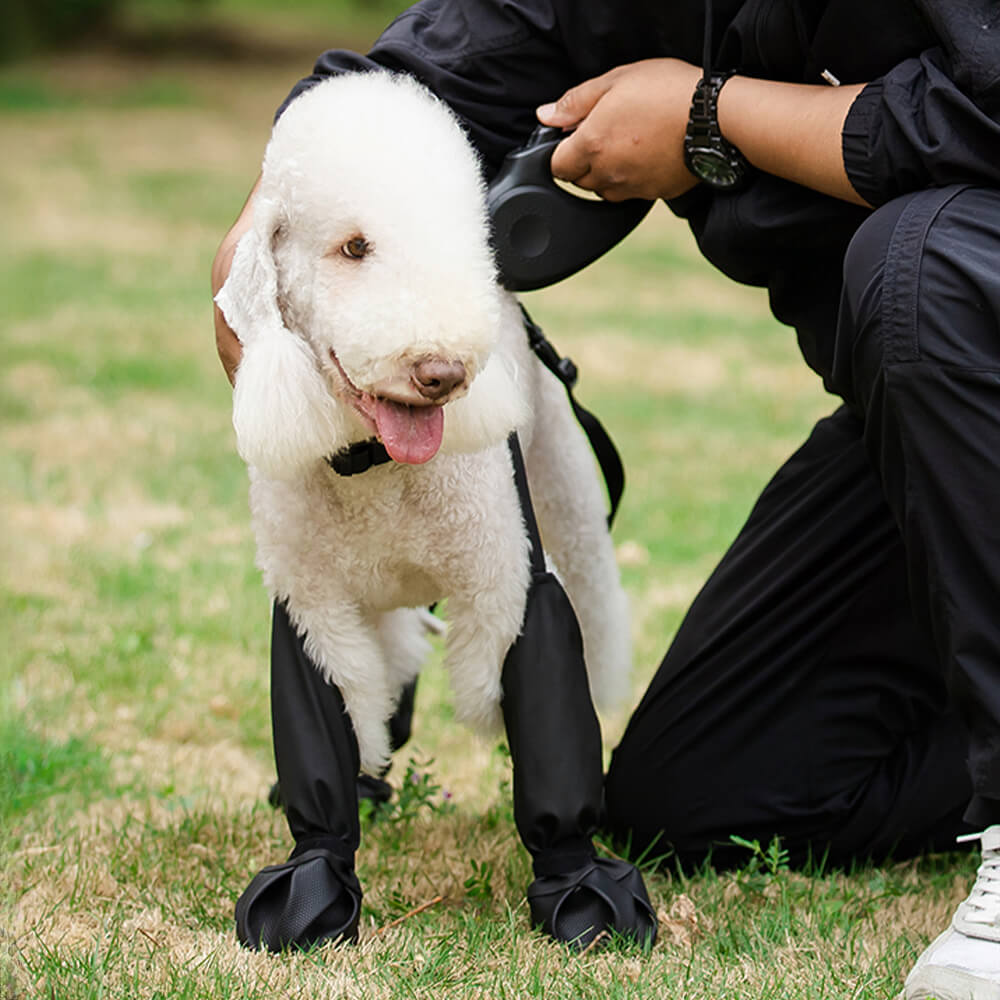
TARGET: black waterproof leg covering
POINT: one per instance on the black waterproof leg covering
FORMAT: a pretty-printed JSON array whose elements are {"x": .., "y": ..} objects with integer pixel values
[
  {"x": 377, "y": 791},
  {"x": 555, "y": 747},
  {"x": 315, "y": 895}
]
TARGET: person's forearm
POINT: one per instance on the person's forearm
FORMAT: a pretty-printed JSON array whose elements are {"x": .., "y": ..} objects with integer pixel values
[
  {"x": 791, "y": 130},
  {"x": 226, "y": 342}
]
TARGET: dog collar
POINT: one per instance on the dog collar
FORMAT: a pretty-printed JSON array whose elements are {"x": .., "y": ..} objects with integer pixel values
[{"x": 358, "y": 457}]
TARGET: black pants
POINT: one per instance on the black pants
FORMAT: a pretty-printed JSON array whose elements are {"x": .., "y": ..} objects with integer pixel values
[{"x": 837, "y": 681}]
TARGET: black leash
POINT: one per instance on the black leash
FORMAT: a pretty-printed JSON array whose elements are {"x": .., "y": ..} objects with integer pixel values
[
  {"x": 604, "y": 448},
  {"x": 362, "y": 455},
  {"x": 537, "y": 554}
]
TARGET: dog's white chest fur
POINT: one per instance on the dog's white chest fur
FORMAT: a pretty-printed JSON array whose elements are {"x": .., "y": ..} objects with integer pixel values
[
  {"x": 398, "y": 536},
  {"x": 366, "y": 301}
]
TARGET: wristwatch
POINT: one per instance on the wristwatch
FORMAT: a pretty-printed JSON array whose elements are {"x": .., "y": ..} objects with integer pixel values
[{"x": 709, "y": 156}]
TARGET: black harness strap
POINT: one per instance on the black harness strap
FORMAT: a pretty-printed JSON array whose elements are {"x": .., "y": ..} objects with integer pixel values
[
  {"x": 537, "y": 554},
  {"x": 604, "y": 448}
]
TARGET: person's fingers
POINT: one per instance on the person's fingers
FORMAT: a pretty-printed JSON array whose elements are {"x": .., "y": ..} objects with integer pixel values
[
  {"x": 226, "y": 342},
  {"x": 606, "y": 188},
  {"x": 228, "y": 345},
  {"x": 576, "y": 103},
  {"x": 571, "y": 159}
]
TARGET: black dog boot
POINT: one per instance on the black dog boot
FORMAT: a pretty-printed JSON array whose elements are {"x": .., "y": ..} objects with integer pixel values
[
  {"x": 375, "y": 790},
  {"x": 315, "y": 895},
  {"x": 555, "y": 747}
]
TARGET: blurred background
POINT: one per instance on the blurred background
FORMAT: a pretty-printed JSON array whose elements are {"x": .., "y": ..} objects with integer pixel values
[
  {"x": 219, "y": 26},
  {"x": 135, "y": 750}
]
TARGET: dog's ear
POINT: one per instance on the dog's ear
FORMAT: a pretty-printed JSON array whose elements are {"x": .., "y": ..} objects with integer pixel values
[{"x": 283, "y": 414}]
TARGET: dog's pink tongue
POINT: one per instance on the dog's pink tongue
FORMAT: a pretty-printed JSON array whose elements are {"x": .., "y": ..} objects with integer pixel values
[{"x": 411, "y": 434}]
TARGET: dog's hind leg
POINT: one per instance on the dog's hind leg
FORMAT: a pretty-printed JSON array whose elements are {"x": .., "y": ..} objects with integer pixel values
[
  {"x": 571, "y": 511},
  {"x": 402, "y": 634}
]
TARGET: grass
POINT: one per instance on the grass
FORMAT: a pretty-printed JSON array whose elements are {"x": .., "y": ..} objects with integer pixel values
[{"x": 134, "y": 730}]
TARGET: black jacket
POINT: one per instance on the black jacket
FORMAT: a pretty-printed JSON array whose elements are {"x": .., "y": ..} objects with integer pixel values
[{"x": 930, "y": 115}]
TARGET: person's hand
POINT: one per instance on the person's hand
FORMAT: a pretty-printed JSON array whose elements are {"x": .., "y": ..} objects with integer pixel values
[
  {"x": 226, "y": 342},
  {"x": 629, "y": 137}
]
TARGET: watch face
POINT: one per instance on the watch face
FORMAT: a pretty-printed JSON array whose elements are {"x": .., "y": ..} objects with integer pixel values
[{"x": 714, "y": 168}]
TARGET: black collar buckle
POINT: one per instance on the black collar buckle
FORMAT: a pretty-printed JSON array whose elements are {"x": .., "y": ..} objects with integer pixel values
[{"x": 358, "y": 457}]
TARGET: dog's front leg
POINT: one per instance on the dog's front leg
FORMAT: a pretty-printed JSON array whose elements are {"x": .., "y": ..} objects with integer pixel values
[
  {"x": 555, "y": 748},
  {"x": 346, "y": 649},
  {"x": 482, "y": 626},
  {"x": 315, "y": 894}
]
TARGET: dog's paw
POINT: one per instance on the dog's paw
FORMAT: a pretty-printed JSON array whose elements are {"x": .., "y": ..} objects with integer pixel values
[{"x": 601, "y": 898}]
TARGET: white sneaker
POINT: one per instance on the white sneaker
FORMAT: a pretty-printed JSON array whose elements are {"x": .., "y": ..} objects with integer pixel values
[{"x": 964, "y": 962}]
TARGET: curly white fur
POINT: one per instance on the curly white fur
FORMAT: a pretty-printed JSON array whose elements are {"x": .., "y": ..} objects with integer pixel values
[{"x": 367, "y": 275}]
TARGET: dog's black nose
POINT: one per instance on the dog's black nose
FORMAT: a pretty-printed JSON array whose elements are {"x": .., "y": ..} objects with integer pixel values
[{"x": 434, "y": 379}]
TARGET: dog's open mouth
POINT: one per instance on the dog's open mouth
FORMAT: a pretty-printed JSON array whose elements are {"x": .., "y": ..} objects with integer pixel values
[{"x": 411, "y": 432}]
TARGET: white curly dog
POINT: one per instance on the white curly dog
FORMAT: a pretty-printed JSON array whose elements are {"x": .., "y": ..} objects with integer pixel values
[{"x": 366, "y": 299}]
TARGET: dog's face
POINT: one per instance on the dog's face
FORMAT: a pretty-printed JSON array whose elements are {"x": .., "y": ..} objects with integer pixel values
[
  {"x": 370, "y": 252},
  {"x": 393, "y": 287}
]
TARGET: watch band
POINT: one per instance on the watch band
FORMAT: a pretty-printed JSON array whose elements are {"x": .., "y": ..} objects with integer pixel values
[
  {"x": 704, "y": 144},
  {"x": 703, "y": 120}
]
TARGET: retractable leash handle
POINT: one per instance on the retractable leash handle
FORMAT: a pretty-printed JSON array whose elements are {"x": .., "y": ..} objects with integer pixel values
[{"x": 540, "y": 232}]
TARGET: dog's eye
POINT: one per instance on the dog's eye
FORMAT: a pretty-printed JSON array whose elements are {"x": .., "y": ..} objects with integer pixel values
[{"x": 356, "y": 248}]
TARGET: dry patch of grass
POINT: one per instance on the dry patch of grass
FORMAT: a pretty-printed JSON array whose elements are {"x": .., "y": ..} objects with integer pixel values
[
  {"x": 158, "y": 888},
  {"x": 141, "y": 896}
]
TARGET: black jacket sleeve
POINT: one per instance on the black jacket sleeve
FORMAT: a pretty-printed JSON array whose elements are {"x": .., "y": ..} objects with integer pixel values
[
  {"x": 933, "y": 119},
  {"x": 493, "y": 62}
]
